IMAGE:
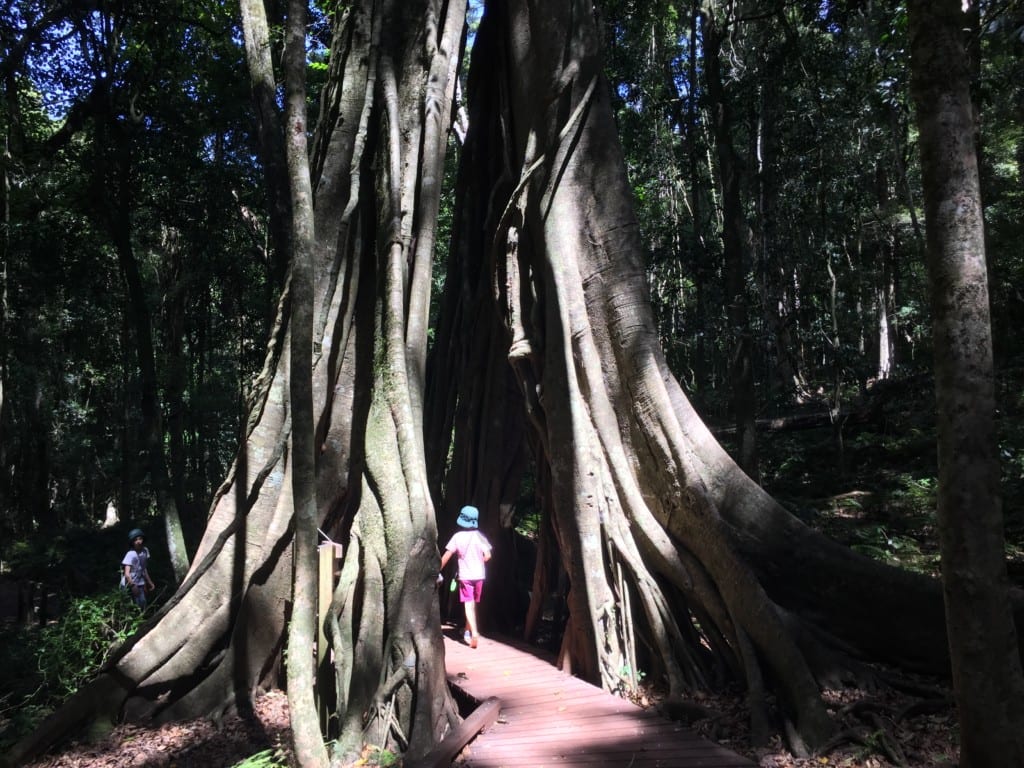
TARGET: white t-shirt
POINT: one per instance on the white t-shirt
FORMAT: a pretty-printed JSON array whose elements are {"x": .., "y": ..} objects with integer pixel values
[
  {"x": 471, "y": 546},
  {"x": 137, "y": 562}
]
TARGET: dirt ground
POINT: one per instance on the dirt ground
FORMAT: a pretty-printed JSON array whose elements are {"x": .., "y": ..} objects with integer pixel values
[
  {"x": 879, "y": 731},
  {"x": 190, "y": 744}
]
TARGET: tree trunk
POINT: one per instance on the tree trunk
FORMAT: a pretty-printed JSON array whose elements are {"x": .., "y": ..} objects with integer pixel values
[
  {"x": 377, "y": 157},
  {"x": 571, "y": 288},
  {"x": 643, "y": 501},
  {"x": 270, "y": 137},
  {"x": 8, "y": 92},
  {"x": 885, "y": 298},
  {"x": 176, "y": 301},
  {"x": 987, "y": 676},
  {"x": 702, "y": 273},
  {"x": 736, "y": 237},
  {"x": 116, "y": 214},
  {"x": 777, "y": 300},
  {"x": 302, "y": 634}
]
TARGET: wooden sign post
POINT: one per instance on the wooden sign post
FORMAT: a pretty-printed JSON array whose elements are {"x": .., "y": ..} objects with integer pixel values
[{"x": 329, "y": 556}]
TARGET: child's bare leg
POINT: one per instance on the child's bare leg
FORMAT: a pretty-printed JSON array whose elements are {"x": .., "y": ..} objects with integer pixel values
[{"x": 471, "y": 621}]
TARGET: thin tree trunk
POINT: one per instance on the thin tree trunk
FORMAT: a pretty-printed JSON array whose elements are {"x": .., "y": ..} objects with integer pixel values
[
  {"x": 987, "y": 675},
  {"x": 259, "y": 59},
  {"x": 119, "y": 224},
  {"x": 305, "y": 721},
  {"x": 699, "y": 246},
  {"x": 885, "y": 298},
  {"x": 736, "y": 239},
  {"x": 776, "y": 300},
  {"x": 176, "y": 301},
  {"x": 5, "y": 228}
]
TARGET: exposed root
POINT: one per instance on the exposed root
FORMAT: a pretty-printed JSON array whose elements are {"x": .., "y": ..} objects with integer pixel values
[
  {"x": 857, "y": 735},
  {"x": 687, "y": 712},
  {"x": 870, "y": 724},
  {"x": 878, "y": 739},
  {"x": 794, "y": 740},
  {"x": 924, "y": 707},
  {"x": 887, "y": 741},
  {"x": 760, "y": 728},
  {"x": 913, "y": 686}
]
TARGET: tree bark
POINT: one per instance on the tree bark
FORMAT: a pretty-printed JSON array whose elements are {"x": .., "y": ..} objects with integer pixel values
[
  {"x": 736, "y": 237},
  {"x": 310, "y": 750},
  {"x": 175, "y": 305},
  {"x": 987, "y": 676},
  {"x": 571, "y": 288},
  {"x": 9, "y": 93},
  {"x": 377, "y": 153},
  {"x": 635, "y": 483},
  {"x": 269, "y": 134}
]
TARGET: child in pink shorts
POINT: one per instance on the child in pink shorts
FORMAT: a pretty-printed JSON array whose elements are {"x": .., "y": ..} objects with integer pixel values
[{"x": 473, "y": 550}]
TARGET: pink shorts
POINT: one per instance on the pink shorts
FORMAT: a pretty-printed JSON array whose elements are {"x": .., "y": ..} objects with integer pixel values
[{"x": 470, "y": 591}]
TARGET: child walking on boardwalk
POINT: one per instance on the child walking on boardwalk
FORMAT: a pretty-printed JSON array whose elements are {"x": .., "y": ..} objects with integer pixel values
[{"x": 473, "y": 550}]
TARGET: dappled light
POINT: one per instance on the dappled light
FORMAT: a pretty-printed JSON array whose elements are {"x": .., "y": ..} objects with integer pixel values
[{"x": 690, "y": 327}]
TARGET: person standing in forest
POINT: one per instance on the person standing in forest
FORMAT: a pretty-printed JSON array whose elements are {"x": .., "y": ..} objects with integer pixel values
[
  {"x": 135, "y": 568},
  {"x": 473, "y": 551}
]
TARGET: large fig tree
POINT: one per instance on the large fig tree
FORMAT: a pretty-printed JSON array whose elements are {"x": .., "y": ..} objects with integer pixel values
[
  {"x": 679, "y": 564},
  {"x": 374, "y": 171}
]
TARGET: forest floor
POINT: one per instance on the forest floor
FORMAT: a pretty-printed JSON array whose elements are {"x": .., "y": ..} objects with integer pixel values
[
  {"x": 198, "y": 743},
  {"x": 871, "y": 485},
  {"x": 877, "y": 729},
  {"x": 874, "y": 736}
]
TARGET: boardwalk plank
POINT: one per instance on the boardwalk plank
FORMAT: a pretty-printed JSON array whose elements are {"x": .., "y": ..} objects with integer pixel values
[
  {"x": 608, "y": 732},
  {"x": 549, "y": 718}
]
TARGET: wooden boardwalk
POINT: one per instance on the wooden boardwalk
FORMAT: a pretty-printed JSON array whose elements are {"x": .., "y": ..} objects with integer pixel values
[{"x": 552, "y": 719}]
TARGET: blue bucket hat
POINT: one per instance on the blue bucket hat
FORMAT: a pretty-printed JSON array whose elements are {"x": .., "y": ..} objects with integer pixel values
[
  {"x": 469, "y": 517},
  {"x": 135, "y": 533}
]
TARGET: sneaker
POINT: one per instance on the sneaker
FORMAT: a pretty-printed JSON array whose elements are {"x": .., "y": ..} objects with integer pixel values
[
  {"x": 472, "y": 642},
  {"x": 467, "y": 637}
]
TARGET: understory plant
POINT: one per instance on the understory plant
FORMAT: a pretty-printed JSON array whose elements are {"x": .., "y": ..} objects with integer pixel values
[
  {"x": 46, "y": 665},
  {"x": 72, "y": 650}
]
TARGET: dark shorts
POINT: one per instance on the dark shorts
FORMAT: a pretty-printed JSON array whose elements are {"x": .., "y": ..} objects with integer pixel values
[
  {"x": 471, "y": 590},
  {"x": 138, "y": 593}
]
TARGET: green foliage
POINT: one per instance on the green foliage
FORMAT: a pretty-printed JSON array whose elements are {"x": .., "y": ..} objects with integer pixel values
[
  {"x": 73, "y": 650},
  {"x": 527, "y": 517},
  {"x": 626, "y": 672},
  {"x": 44, "y": 666},
  {"x": 22, "y": 703},
  {"x": 177, "y": 114},
  {"x": 877, "y": 542},
  {"x": 268, "y": 758},
  {"x": 884, "y": 502},
  {"x": 372, "y": 755},
  {"x": 915, "y": 493}
]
